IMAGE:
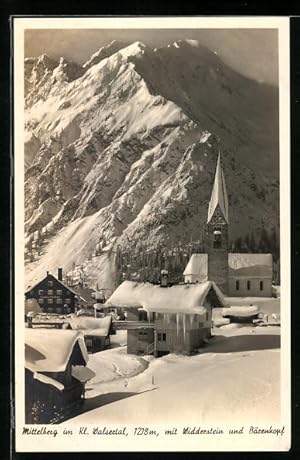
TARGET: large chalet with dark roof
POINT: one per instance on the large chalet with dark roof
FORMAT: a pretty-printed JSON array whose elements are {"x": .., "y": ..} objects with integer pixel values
[{"x": 53, "y": 295}]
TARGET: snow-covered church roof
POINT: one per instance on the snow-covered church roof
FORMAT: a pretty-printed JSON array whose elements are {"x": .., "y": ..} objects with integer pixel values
[
  {"x": 50, "y": 350},
  {"x": 175, "y": 299},
  {"x": 239, "y": 264},
  {"x": 250, "y": 265},
  {"x": 219, "y": 194}
]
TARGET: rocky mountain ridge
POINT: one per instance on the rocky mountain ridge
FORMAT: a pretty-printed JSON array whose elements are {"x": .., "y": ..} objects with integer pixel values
[{"x": 122, "y": 151}]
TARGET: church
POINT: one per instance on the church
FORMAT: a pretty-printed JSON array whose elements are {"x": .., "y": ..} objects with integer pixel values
[{"x": 236, "y": 274}]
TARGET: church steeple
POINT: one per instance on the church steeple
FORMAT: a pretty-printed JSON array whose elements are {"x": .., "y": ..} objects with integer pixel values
[
  {"x": 219, "y": 196},
  {"x": 217, "y": 231}
]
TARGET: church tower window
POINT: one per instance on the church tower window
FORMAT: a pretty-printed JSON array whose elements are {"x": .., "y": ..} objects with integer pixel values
[
  {"x": 248, "y": 285},
  {"x": 217, "y": 238},
  {"x": 261, "y": 285},
  {"x": 237, "y": 285}
]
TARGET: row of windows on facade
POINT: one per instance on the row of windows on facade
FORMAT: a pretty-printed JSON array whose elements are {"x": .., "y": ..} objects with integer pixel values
[
  {"x": 58, "y": 310},
  {"x": 237, "y": 285},
  {"x": 161, "y": 336},
  {"x": 50, "y": 292},
  {"x": 51, "y": 300}
]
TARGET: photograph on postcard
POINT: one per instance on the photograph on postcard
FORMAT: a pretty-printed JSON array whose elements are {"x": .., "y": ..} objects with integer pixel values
[{"x": 152, "y": 165}]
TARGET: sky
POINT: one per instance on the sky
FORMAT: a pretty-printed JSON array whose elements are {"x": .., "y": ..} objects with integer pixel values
[{"x": 251, "y": 52}]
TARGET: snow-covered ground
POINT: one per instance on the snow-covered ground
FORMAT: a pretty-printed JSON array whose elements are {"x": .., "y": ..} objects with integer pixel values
[{"x": 235, "y": 378}]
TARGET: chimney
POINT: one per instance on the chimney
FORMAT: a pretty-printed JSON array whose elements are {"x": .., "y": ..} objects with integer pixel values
[
  {"x": 47, "y": 273},
  {"x": 59, "y": 274},
  {"x": 164, "y": 278}
]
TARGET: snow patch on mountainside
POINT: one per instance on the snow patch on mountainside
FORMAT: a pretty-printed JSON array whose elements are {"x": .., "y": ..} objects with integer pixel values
[{"x": 123, "y": 150}]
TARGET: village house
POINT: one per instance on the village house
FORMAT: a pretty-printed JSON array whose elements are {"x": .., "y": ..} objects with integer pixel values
[
  {"x": 53, "y": 295},
  {"x": 55, "y": 373},
  {"x": 96, "y": 331},
  {"x": 236, "y": 274},
  {"x": 176, "y": 319}
]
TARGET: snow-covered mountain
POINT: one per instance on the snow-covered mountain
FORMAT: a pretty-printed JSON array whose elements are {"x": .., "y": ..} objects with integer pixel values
[{"x": 122, "y": 151}]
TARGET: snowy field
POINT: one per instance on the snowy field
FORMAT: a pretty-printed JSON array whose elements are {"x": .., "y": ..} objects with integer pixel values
[{"x": 235, "y": 377}]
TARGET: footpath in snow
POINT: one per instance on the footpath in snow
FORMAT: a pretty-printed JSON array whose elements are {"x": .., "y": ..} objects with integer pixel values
[{"x": 235, "y": 378}]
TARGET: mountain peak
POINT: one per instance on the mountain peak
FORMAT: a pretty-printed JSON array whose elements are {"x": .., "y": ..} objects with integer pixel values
[
  {"x": 135, "y": 49},
  {"x": 103, "y": 53}
]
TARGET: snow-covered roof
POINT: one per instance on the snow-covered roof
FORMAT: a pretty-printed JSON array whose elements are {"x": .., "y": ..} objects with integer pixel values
[
  {"x": 56, "y": 279},
  {"x": 255, "y": 265},
  {"x": 50, "y": 350},
  {"x": 239, "y": 264},
  {"x": 240, "y": 311},
  {"x": 92, "y": 326},
  {"x": 48, "y": 380},
  {"x": 82, "y": 373},
  {"x": 197, "y": 265},
  {"x": 219, "y": 194},
  {"x": 176, "y": 299}
]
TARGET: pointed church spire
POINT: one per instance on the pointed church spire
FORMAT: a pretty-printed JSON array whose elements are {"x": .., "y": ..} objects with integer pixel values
[{"x": 219, "y": 194}]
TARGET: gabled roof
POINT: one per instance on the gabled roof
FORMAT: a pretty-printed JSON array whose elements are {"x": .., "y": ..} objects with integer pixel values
[
  {"x": 182, "y": 298},
  {"x": 50, "y": 350},
  {"x": 254, "y": 265},
  {"x": 56, "y": 279},
  {"x": 92, "y": 326},
  {"x": 219, "y": 194},
  {"x": 197, "y": 265}
]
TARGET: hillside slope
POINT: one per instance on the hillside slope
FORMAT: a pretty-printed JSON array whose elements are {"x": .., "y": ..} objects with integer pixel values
[{"x": 123, "y": 150}]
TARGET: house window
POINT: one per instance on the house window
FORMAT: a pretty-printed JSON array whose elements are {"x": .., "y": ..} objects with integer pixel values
[
  {"x": 41, "y": 300},
  {"x": 59, "y": 301},
  {"x": 41, "y": 291},
  {"x": 50, "y": 291},
  {"x": 261, "y": 285},
  {"x": 207, "y": 316},
  {"x": 50, "y": 283},
  {"x": 68, "y": 301},
  {"x": 161, "y": 336},
  {"x": 58, "y": 310},
  {"x": 248, "y": 285},
  {"x": 50, "y": 301},
  {"x": 143, "y": 333},
  {"x": 237, "y": 285},
  {"x": 143, "y": 316},
  {"x": 89, "y": 342},
  {"x": 58, "y": 291}
]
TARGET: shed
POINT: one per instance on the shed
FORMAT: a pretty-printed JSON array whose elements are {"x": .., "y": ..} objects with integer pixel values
[
  {"x": 241, "y": 314},
  {"x": 55, "y": 373},
  {"x": 96, "y": 331}
]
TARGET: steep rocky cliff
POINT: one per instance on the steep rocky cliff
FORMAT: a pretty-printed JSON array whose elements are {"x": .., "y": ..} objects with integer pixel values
[{"x": 122, "y": 151}]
